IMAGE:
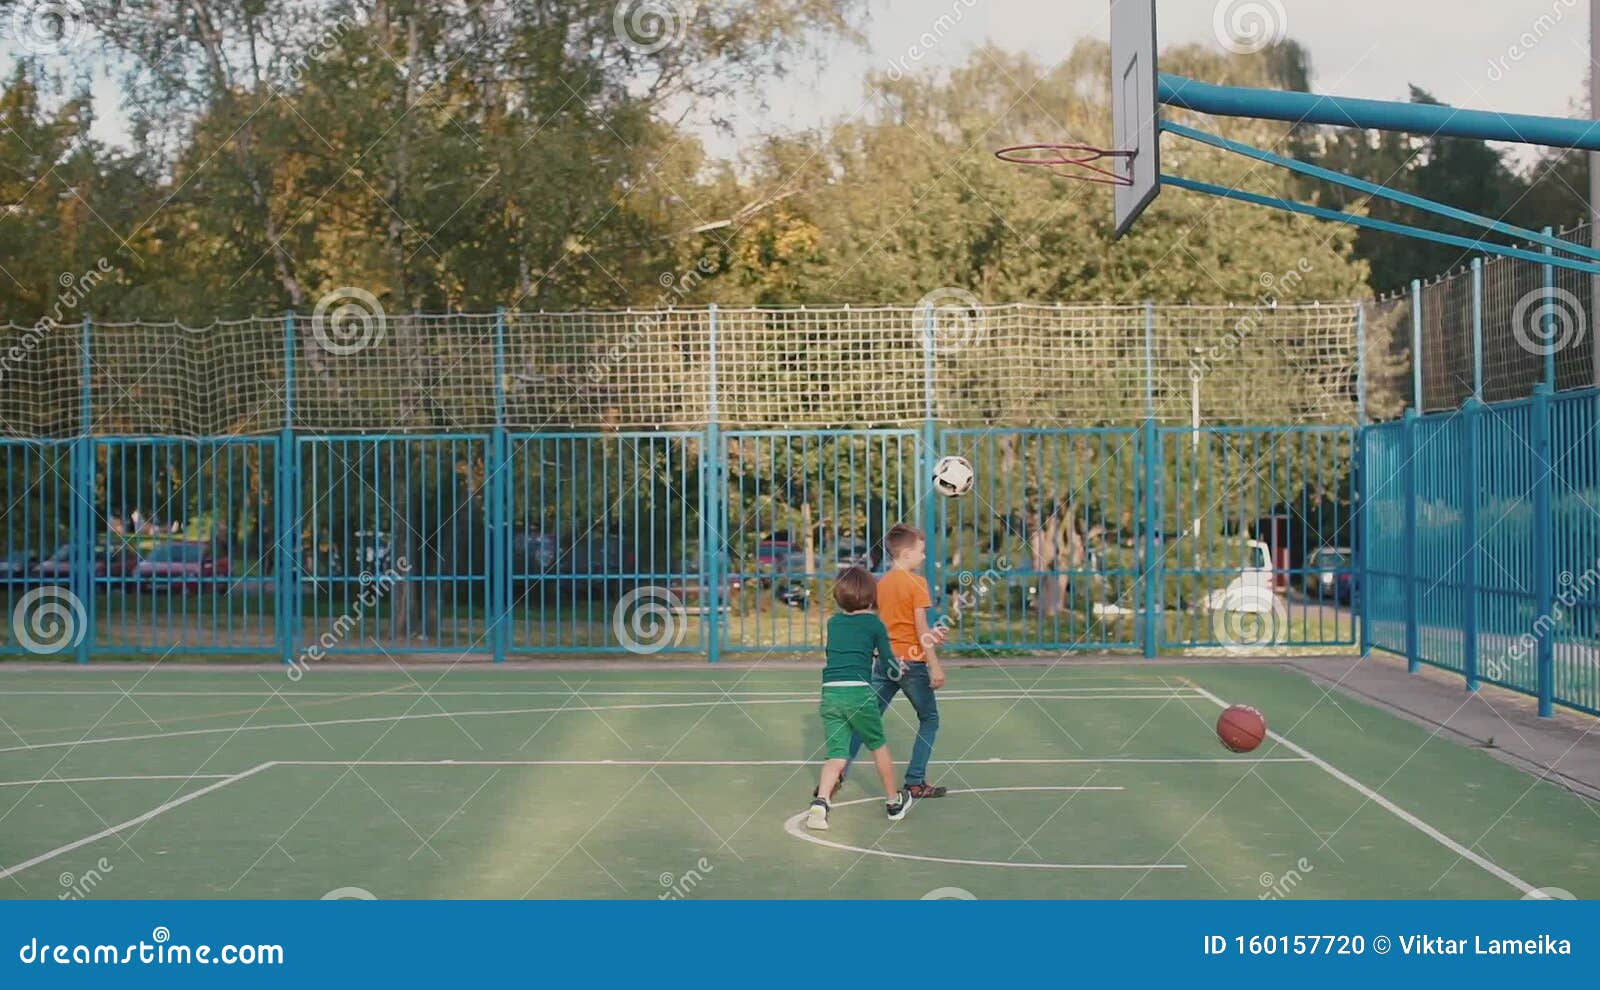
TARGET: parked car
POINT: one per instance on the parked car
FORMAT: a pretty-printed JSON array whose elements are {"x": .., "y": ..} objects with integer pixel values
[
  {"x": 1328, "y": 573},
  {"x": 108, "y": 562},
  {"x": 774, "y": 557},
  {"x": 849, "y": 552},
  {"x": 185, "y": 566},
  {"x": 587, "y": 563},
  {"x": 374, "y": 551},
  {"x": 1251, "y": 590},
  {"x": 18, "y": 568}
]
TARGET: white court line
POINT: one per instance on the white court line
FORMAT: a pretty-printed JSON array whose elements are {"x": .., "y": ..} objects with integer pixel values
[
  {"x": 794, "y": 828},
  {"x": 1392, "y": 808},
  {"x": 111, "y": 780},
  {"x": 382, "y": 719},
  {"x": 988, "y": 761},
  {"x": 162, "y": 809},
  {"x": 1153, "y": 691},
  {"x": 132, "y": 822}
]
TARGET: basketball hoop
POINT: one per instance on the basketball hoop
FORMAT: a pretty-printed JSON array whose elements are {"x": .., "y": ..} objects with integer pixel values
[{"x": 1074, "y": 161}]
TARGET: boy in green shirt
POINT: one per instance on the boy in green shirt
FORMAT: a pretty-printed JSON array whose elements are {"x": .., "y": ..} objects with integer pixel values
[{"x": 849, "y": 704}]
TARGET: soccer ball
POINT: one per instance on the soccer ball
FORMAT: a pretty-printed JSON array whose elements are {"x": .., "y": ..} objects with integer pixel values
[{"x": 953, "y": 476}]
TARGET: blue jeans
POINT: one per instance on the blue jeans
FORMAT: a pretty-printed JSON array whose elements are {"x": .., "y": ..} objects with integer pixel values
[{"x": 914, "y": 682}]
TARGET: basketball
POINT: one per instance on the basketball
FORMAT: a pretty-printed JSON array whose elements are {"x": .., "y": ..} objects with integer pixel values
[{"x": 1241, "y": 728}]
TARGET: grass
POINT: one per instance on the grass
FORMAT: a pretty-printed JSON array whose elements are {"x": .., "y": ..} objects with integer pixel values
[{"x": 267, "y": 788}]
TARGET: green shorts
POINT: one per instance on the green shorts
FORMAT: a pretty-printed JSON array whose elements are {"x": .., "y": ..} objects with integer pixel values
[{"x": 848, "y": 711}]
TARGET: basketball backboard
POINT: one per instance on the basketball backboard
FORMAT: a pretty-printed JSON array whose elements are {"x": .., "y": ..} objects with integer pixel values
[{"x": 1135, "y": 121}]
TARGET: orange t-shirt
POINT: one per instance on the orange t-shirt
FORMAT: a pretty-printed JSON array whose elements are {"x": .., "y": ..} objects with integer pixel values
[{"x": 900, "y": 594}]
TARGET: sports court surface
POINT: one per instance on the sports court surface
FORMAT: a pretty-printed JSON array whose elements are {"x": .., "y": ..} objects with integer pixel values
[{"x": 1087, "y": 781}]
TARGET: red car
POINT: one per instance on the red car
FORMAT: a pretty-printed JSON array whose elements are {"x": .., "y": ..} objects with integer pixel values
[
  {"x": 108, "y": 563},
  {"x": 187, "y": 566}
]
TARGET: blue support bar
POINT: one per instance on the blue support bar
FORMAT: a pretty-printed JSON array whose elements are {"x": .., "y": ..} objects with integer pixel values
[
  {"x": 1543, "y": 548},
  {"x": 82, "y": 516},
  {"x": 1409, "y": 551},
  {"x": 1416, "y": 346},
  {"x": 1477, "y": 329},
  {"x": 1548, "y": 330},
  {"x": 1384, "y": 115},
  {"x": 1371, "y": 223},
  {"x": 1543, "y": 238},
  {"x": 1363, "y": 543},
  {"x": 1471, "y": 414},
  {"x": 498, "y": 555},
  {"x": 1154, "y": 614},
  {"x": 713, "y": 517},
  {"x": 285, "y": 519}
]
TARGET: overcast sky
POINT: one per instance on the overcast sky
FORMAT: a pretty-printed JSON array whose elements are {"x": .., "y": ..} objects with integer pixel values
[
  {"x": 1522, "y": 56},
  {"x": 1526, "y": 56}
]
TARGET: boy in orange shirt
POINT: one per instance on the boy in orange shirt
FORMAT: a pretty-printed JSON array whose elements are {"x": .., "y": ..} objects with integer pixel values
[{"x": 903, "y": 604}]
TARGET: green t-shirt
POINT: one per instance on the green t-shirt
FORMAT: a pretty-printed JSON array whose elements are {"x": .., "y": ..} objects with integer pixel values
[{"x": 852, "y": 639}]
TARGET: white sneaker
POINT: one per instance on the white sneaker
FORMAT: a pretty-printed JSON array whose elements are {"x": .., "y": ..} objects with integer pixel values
[{"x": 817, "y": 815}]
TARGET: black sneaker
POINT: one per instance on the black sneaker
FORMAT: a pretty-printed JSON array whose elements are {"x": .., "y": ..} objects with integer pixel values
[
  {"x": 923, "y": 791},
  {"x": 898, "y": 810},
  {"x": 817, "y": 815}
]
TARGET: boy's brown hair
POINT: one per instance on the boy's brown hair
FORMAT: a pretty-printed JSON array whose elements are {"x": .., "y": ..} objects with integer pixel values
[
  {"x": 856, "y": 590},
  {"x": 901, "y": 537}
]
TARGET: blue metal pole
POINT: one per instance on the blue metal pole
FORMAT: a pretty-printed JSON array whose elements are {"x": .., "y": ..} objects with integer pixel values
[
  {"x": 82, "y": 519},
  {"x": 1543, "y": 548},
  {"x": 1545, "y": 238},
  {"x": 1416, "y": 346},
  {"x": 1150, "y": 437},
  {"x": 1477, "y": 328},
  {"x": 712, "y": 516},
  {"x": 1470, "y": 413},
  {"x": 1372, "y": 223},
  {"x": 1363, "y": 541},
  {"x": 286, "y": 520},
  {"x": 1413, "y": 650},
  {"x": 1383, "y": 115},
  {"x": 1548, "y": 335},
  {"x": 499, "y": 549}
]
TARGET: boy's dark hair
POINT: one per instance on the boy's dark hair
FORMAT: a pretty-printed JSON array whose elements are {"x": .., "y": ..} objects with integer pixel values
[
  {"x": 900, "y": 537},
  {"x": 856, "y": 590}
]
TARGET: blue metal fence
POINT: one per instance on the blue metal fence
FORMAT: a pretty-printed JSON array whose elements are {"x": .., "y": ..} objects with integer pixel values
[
  {"x": 1483, "y": 528},
  {"x": 497, "y": 545}
]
